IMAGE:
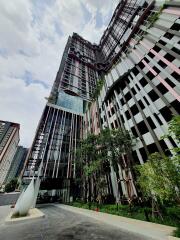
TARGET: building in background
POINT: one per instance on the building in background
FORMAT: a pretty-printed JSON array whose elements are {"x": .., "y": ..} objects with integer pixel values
[
  {"x": 138, "y": 62},
  {"x": 17, "y": 163},
  {"x": 9, "y": 139}
]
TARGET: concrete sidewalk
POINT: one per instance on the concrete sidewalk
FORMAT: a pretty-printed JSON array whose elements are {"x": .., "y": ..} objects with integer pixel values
[{"x": 147, "y": 229}]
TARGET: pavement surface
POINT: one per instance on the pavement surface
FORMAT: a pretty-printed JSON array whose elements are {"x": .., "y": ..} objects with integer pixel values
[
  {"x": 62, "y": 224},
  {"x": 8, "y": 198},
  {"x": 146, "y": 229}
]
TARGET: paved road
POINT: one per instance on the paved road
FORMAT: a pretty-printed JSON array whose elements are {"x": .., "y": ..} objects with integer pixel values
[
  {"x": 8, "y": 198},
  {"x": 60, "y": 224}
]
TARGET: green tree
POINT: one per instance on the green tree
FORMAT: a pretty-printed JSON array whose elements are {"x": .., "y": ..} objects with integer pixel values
[
  {"x": 174, "y": 128},
  {"x": 96, "y": 153},
  {"x": 11, "y": 186},
  {"x": 116, "y": 144},
  {"x": 87, "y": 163},
  {"x": 159, "y": 177}
]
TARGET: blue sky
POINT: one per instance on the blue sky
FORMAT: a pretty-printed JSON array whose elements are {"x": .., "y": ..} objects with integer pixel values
[{"x": 33, "y": 36}]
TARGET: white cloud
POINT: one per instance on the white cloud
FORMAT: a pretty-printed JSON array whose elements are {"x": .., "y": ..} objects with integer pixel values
[
  {"x": 23, "y": 105},
  {"x": 106, "y": 8},
  {"x": 33, "y": 36}
]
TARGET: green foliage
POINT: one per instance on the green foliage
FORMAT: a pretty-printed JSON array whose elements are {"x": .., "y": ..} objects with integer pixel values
[
  {"x": 96, "y": 153},
  {"x": 159, "y": 177},
  {"x": 154, "y": 17},
  {"x": 177, "y": 232},
  {"x": 173, "y": 212},
  {"x": 174, "y": 127},
  {"x": 99, "y": 86},
  {"x": 136, "y": 213},
  {"x": 113, "y": 144},
  {"x": 92, "y": 167},
  {"x": 11, "y": 186}
]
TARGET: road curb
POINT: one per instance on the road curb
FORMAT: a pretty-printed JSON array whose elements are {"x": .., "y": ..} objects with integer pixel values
[{"x": 34, "y": 213}]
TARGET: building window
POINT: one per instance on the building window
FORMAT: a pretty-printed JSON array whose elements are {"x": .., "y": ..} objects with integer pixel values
[
  {"x": 122, "y": 101},
  {"x": 141, "y": 65},
  {"x": 175, "y": 105},
  {"x": 152, "y": 148},
  {"x": 133, "y": 90},
  {"x": 175, "y": 27},
  {"x": 143, "y": 154},
  {"x": 142, "y": 127},
  {"x": 112, "y": 125},
  {"x": 143, "y": 82},
  {"x": 135, "y": 157},
  {"x": 127, "y": 80},
  {"x": 150, "y": 75},
  {"x": 151, "y": 123},
  {"x": 162, "y": 64},
  {"x": 158, "y": 119},
  {"x": 176, "y": 76},
  {"x": 145, "y": 99},
  {"x": 166, "y": 113},
  {"x": 164, "y": 147},
  {"x": 127, "y": 115},
  {"x": 116, "y": 124},
  {"x": 147, "y": 60},
  {"x": 127, "y": 96},
  {"x": 134, "y": 110},
  {"x": 169, "y": 57},
  {"x": 156, "y": 48},
  {"x": 170, "y": 83},
  {"x": 138, "y": 87},
  {"x": 176, "y": 50},
  {"x": 134, "y": 132},
  {"x": 122, "y": 118},
  {"x": 150, "y": 54},
  {"x": 135, "y": 71},
  {"x": 141, "y": 104},
  {"x": 162, "y": 42},
  {"x": 172, "y": 141},
  {"x": 156, "y": 70},
  {"x": 168, "y": 35},
  {"x": 112, "y": 111},
  {"x": 162, "y": 88},
  {"x": 153, "y": 95},
  {"x": 122, "y": 85}
]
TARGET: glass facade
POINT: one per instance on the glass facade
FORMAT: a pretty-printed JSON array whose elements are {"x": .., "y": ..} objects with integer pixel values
[{"x": 70, "y": 102}]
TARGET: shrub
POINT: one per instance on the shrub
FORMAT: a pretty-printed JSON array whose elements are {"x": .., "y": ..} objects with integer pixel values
[
  {"x": 177, "y": 232},
  {"x": 11, "y": 186}
]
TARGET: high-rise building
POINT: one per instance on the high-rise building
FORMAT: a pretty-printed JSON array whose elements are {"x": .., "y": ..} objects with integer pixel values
[
  {"x": 9, "y": 138},
  {"x": 17, "y": 163},
  {"x": 138, "y": 61},
  {"x": 61, "y": 124}
]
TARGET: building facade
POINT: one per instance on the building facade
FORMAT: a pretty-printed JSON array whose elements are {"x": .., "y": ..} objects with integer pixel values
[
  {"x": 17, "y": 163},
  {"x": 61, "y": 125},
  {"x": 138, "y": 61},
  {"x": 9, "y": 138},
  {"x": 141, "y": 90}
]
